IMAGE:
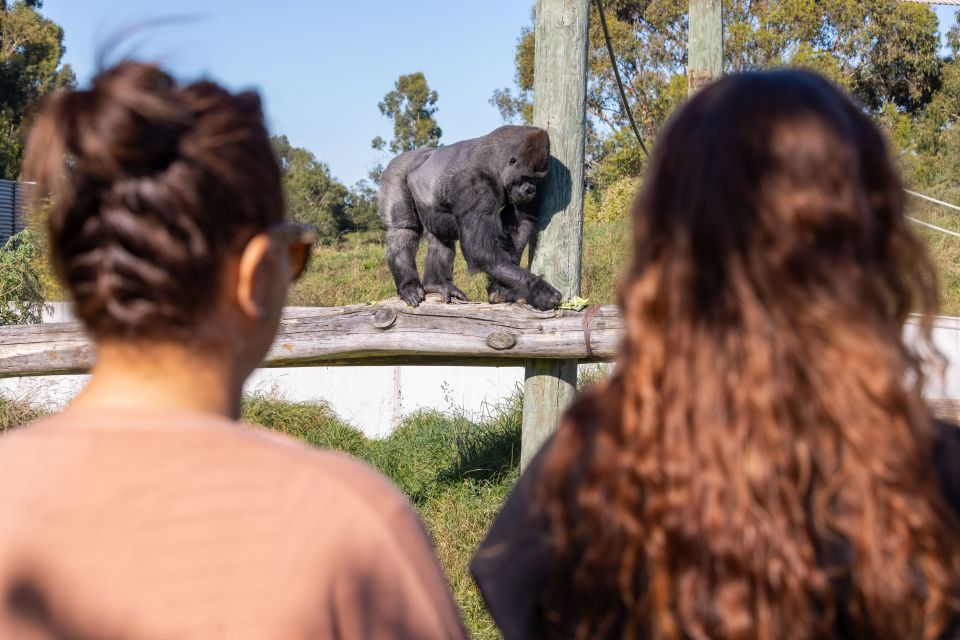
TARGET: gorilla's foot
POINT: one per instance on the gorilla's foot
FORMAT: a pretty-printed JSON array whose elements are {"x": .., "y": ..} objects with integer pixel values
[
  {"x": 542, "y": 296},
  {"x": 447, "y": 290},
  {"x": 500, "y": 295},
  {"x": 412, "y": 293}
]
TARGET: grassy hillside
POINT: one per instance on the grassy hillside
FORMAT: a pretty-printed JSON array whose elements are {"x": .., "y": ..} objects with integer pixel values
[{"x": 355, "y": 270}]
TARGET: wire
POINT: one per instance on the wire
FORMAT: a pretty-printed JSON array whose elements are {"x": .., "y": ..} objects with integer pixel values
[
  {"x": 616, "y": 73},
  {"x": 933, "y": 200},
  {"x": 933, "y": 226}
]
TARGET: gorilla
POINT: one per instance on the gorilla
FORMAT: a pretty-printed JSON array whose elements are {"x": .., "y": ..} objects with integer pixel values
[{"x": 484, "y": 192}]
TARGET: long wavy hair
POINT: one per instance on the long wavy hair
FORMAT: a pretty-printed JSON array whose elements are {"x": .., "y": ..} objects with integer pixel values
[{"x": 759, "y": 464}]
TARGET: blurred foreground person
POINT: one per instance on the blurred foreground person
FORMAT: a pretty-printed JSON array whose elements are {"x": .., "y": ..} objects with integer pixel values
[
  {"x": 761, "y": 464},
  {"x": 145, "y": 510}
]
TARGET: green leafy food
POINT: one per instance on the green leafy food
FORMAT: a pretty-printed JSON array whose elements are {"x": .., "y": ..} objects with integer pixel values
[{"x": 575, "y": 304}]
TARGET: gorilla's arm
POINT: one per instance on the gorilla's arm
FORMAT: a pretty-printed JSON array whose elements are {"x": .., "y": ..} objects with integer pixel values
[
  {"x": 481, "y": 233},
  {"x": 521, "y": 226},
  {"x": 526, "y": 228}
]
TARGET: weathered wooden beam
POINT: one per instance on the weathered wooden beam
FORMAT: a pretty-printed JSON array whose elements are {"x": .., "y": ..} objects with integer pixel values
[
  {"x": 946, "y": 410},
  {"x": 388, "y": 333},
  {"x": 705, "y": 46},
  {"x": 560, "y": 107}
]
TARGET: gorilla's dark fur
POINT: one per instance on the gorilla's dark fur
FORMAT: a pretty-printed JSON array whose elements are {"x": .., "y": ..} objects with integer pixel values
[{"x": 483, "y": 192}]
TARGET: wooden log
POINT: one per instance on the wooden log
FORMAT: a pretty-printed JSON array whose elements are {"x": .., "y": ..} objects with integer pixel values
[
  {"x": 946, "y": 410},
  {"x": 560, "y": 99},
  {"x": 388, "y": 333}
]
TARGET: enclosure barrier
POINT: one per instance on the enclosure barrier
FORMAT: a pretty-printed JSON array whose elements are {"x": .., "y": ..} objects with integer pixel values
[{"x": 388, "y": 333}]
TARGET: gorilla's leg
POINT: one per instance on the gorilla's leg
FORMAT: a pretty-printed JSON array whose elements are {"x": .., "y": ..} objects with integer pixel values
[
  {"x": 438, "y": 273},
  {"x": 402, "y": 258},
  {"x": 398, "y": 212}
]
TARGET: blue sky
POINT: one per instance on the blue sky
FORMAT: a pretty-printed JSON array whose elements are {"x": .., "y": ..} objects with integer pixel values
[{"x": 323, "y": 65}]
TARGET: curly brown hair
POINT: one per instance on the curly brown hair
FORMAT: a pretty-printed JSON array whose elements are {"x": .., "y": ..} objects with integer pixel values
[
  {"x": 759, "y": 464},
  {"x": 152, "y": 184}
]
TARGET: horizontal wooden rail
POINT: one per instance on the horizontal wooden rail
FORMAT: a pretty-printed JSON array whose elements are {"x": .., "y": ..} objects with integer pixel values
[
  {"x": 385, "y": 333},
  {"x": 388, "y": 333}
]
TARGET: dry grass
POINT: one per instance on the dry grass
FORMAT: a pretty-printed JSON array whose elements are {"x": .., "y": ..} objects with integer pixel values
[
  {"x": 944, "y": 249},
  {"x": 17, "y": 411}
]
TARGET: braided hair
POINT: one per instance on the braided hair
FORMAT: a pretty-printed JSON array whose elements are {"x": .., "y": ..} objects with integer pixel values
[{"x": 151, "y": 185}]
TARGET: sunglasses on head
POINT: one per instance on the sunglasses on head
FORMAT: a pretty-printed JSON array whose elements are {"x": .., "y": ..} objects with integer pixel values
[{"x": 299, "y": 239}]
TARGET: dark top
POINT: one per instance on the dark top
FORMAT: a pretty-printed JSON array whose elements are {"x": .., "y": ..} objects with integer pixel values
[{"x": 513, "y": 564}]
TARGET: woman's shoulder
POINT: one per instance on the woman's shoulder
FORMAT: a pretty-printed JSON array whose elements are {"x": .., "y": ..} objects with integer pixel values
[
  {"x": 353, "y": 480},
  {"x": 202, "y": 444}
]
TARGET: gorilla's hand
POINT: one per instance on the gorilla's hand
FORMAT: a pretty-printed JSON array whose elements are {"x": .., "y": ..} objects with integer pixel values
[
  {"x": 412, "y": 293},
  {"x": 542, "y": 296},
  {"x": 448, "y": 290}
]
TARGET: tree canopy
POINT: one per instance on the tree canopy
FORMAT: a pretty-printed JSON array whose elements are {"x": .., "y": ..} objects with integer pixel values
[
  {"x": 313, "y": 196},
  {"x": 412, "y": 106},
  {"x": 885, "y": 52},
  {"x": 31, "y": 50}
]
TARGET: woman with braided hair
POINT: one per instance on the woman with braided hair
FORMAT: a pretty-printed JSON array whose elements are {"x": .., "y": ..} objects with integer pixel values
[
  {"x": 761, "y": 464},
  {"x": 145, "y": 509}
]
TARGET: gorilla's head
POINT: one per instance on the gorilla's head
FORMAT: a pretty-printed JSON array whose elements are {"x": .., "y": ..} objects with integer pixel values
[{"x": 526, "y": 153}]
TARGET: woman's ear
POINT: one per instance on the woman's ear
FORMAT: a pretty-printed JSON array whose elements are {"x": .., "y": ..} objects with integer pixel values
[{"x": 257, "y": 277}]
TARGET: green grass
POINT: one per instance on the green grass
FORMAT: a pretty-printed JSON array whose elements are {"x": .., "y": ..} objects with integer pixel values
[
  {"x": 354, "y": 270},
  {"x": 17, "y": 411},
  {"x": 944, "y": 249}
]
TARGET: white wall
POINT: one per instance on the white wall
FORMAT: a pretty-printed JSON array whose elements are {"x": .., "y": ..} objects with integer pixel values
[{"x": 373, "y": 399}]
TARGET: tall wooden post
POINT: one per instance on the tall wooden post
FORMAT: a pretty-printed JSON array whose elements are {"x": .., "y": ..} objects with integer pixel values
[
  {"x": 705, "y": 62},
  {"x": 560, "y": 89}
]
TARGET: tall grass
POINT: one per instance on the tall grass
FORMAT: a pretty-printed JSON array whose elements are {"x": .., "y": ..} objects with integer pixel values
[{"x": 944, "y": 249}]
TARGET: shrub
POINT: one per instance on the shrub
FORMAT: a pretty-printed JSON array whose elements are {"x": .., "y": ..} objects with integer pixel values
[
  {"x": 17, "y": 411},
  {"x": 21, "y": 289},
  {"x": 613, "y": 204}
]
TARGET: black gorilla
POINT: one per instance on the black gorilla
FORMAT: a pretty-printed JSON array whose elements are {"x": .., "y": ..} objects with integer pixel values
[{"x": 483, "y": 192}]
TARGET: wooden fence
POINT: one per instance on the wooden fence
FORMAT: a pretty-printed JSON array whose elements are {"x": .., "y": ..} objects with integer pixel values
[{"x": 386, "y": 333}]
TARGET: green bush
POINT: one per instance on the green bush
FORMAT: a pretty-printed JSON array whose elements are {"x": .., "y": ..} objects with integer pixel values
[
  {"x": 21, "y": 288},
  {"x": 612, "y": 204}
]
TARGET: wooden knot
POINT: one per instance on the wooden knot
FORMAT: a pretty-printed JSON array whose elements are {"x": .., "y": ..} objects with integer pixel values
[
  {"x": 384, "y": 318},
  {"x": 501, "y": 341}
]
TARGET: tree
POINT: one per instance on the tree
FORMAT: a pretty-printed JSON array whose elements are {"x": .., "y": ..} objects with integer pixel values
[
  {"x": 412, "y": 106},
  {"x": 883, "y": 51},
  {"x": 363, "y": 206},
  {"x": 313, "y": 195},
  {"x": 21, "y": 289},
  {"x": 31, "y": 49}
]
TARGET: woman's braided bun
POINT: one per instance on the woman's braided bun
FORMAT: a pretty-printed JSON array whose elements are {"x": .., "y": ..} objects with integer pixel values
[{"x": 151, "y": 184}]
